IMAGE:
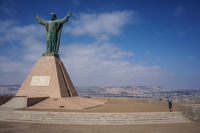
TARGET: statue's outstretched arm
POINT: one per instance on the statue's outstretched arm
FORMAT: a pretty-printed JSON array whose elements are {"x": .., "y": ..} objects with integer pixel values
[
  {"x": 69, "y": 14},
  {"x": 65, "y": 19},
  {"x": 36, "y": 16},
  {"x": 41, "y": 21}
]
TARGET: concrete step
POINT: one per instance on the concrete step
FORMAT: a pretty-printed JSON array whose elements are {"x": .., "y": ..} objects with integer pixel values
[
  {"x": 15, "y": 102},
  {"x": 94, "y": 118}
]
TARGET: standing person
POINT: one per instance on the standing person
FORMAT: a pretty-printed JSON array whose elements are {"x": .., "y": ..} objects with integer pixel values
[{"x": 170, "y": 105}]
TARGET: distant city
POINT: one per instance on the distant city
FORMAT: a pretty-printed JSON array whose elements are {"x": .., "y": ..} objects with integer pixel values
[
  {"x": 180, "y": 96},
  {"x": 157, "y": 93}
]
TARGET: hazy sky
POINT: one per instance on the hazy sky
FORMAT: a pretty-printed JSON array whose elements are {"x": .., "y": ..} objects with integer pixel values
[{"x": 106, "y": 42}]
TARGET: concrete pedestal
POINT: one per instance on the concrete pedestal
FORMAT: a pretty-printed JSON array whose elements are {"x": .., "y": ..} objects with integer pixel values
[{"x": 48, "y": 78}]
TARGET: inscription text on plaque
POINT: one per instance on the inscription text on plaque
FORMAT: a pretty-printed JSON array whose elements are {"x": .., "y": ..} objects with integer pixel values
[{"x": 40, "y": 80}]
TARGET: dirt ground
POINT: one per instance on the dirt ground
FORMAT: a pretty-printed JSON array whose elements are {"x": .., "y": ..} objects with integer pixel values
[
  {"x": 111, "y": 106},
  {"x": 11, "y": 127}
]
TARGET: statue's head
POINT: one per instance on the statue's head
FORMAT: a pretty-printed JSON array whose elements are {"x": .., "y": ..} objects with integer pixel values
[{"x": 53, "y": 16}]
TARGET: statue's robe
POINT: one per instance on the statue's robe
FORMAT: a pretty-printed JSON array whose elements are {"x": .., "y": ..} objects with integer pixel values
[{"x": 53, "y": 32}]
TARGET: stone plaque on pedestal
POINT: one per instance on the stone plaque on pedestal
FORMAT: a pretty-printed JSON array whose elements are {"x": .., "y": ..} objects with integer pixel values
[{"x": 40, "y": 80}]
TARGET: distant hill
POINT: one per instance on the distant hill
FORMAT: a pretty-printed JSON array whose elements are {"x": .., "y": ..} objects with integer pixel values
[
  {"x": 9, "y": 89},
  {"x": 118, "y": 90},
  {"x": 97, "y": 90}
]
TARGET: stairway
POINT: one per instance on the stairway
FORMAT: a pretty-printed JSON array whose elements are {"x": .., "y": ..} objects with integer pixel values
[
  {"x": 15, "y": 102},
  {"x": 93, "y": 118}
]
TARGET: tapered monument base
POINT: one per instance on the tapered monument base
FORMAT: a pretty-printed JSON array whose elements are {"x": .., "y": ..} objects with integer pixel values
[{"x": 48, "y": 78}]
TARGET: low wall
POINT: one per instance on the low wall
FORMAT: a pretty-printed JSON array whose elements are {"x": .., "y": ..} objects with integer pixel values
[
  {"x": 161, "y": 103},
  {"x": 35, "y": 100},
  {"x": 4, "y": 99},
  {"x": 192, "y": 111}
]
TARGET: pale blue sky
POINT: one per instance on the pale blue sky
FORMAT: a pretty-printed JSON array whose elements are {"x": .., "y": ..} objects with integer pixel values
[{"x": 106, "y": 42}]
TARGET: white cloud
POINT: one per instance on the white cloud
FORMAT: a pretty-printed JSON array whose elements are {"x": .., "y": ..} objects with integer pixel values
[
  {"x": 7, "y": 7},
  {"x": 180, "y": 33},
  {"x": 4, "y": 58},
  {"x": 75, "y": 2},
  {"x": 10, "y": 31},
  {"x": 4, "y": 25},
  {"x": 24, "y": 46},
  {"x": 34, "y": 49},
  {"x": 10, "y": 66},
  {"x": 103, "y": 64},
  {"x": 191, "y": 57},
  {"x": 28, "y": 30},
  {"x": 179, "y": 11},
  {"x": 100, "y": 25}
]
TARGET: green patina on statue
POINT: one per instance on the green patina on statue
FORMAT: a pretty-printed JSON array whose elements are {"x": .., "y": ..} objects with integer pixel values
[{"x": 53, "y": 31}]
